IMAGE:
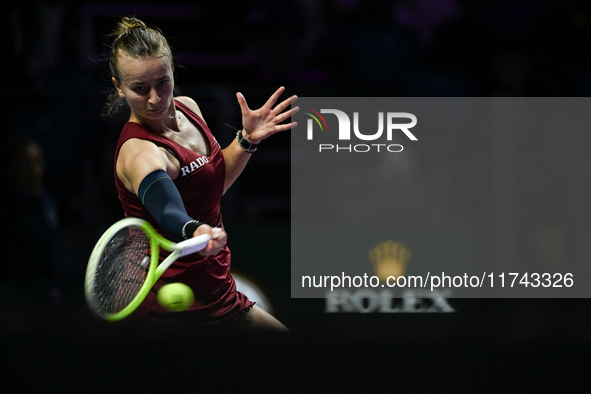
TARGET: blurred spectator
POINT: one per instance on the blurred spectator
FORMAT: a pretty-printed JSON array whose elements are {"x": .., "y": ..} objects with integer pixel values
[{"x": 30, "y": 227}]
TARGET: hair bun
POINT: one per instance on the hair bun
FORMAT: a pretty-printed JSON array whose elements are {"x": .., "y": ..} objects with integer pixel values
[
  {"x": 127, "y": 24},
  {"x": 131, "y": 22}
]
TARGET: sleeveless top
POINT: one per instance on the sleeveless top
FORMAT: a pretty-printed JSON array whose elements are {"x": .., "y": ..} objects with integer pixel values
[{"x": 201, "y": 184}]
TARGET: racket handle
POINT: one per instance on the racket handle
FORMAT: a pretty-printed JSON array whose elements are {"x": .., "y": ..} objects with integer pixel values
[{"x": 193, "y": 245}]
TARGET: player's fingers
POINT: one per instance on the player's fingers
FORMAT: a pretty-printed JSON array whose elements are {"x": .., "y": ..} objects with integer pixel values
[
  {"x": 284, "y": 104},
  {"x": 213, "y": 248},
  {"x": 216, "y": 243},
  {"x": 218, "y": 233},
  {"x": 242, "y": 102},
  {"x": 284, "y": 127},
  {"x": 274, "y": 97},
  {"x": 281, "y": 117}
]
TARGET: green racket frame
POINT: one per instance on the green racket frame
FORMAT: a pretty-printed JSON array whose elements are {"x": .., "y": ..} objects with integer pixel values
[{"x": 155, "y": 270}]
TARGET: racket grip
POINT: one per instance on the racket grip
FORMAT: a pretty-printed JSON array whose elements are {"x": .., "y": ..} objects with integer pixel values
[{"x": 193, "y": 245}]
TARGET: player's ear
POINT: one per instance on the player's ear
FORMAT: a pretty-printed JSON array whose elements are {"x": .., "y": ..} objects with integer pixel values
[{"x": 117, "y": 86}]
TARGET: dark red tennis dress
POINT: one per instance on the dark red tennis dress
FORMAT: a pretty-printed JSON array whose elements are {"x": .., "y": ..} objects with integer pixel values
[{"x": 201, "y": 184}]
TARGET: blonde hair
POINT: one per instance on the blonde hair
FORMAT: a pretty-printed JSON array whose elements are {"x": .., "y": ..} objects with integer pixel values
[{"x": 135, "y": 38}]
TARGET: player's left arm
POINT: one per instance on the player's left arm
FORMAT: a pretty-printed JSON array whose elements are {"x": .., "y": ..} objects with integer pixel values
[{"x": 256, "y": 126}]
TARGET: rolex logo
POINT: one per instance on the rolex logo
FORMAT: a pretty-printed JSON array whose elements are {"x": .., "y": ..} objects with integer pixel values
[{"x": 389, "y": 258}]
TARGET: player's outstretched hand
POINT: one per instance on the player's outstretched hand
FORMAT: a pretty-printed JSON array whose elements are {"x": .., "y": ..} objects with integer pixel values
[
  {"x": 217, "y": 242},
  {"x": 265, "y": 121}
]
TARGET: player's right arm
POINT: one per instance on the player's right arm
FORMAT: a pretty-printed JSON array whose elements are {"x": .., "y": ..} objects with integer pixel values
[
  {"x": 148, "y": 170},
  {"x": 138, "y": 158}
]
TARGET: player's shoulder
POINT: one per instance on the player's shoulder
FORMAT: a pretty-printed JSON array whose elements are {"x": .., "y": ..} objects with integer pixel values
[
  {"x": 190, "y": 103},
  {"x": 136, "y": 146}
]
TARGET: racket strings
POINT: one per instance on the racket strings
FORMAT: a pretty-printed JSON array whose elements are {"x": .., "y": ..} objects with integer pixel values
[{"x": 122, "y": 270}]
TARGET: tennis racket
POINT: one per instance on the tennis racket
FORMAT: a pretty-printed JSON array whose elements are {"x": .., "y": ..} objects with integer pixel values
[{"x": 123, "y": 266}]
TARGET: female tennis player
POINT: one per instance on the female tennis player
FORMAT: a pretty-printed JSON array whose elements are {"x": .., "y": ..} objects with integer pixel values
[{"x": 170, "y": 171}]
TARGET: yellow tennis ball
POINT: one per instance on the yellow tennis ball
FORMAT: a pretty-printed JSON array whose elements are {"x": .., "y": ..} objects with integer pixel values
[{"x": 176, "y": 297}]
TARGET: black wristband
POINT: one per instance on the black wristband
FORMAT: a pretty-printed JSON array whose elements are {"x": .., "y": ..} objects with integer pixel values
[
  {"x": 189, "y": 228},
  {"x": 248, "y": 146}
]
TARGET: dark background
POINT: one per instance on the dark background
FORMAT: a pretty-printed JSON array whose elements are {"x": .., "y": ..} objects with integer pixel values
[{"x": 55, "y": 83}]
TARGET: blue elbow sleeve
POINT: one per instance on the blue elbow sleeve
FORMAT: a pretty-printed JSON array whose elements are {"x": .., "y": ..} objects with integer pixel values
[{"x": 160, "y": 196}]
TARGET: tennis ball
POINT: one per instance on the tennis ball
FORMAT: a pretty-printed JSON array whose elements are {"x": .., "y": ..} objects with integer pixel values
[{"x": 176, "y": 297}]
